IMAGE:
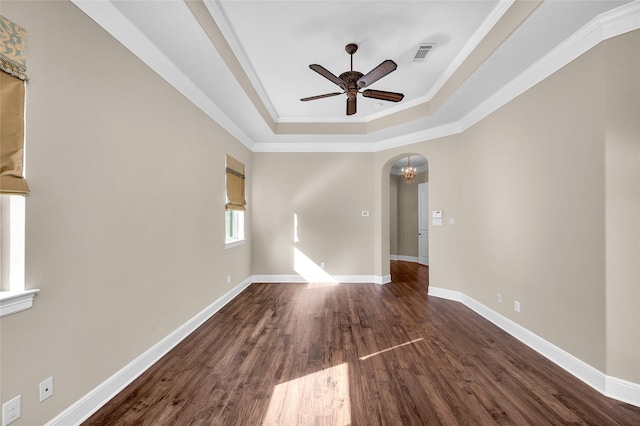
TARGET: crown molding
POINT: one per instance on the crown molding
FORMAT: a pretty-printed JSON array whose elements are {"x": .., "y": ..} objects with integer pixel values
[
  {"x": 605, "y": 26},
  {"x": 610, "y": 24},
  {"x": 106, "y": 15}
]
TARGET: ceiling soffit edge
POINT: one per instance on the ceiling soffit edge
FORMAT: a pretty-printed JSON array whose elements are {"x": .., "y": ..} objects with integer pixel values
[
  {"x": 503, "y": 20},
  {"x": 225, "y": 42},
  {"x": 616, "y": 22},
  {"x": 107, "y": 16},
  {"x": 608, "y": 25},
  {"x": 508, "y": 22}
]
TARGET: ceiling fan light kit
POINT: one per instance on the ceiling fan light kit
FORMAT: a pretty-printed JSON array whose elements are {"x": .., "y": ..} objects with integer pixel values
[{"x": 351, "y": 82}]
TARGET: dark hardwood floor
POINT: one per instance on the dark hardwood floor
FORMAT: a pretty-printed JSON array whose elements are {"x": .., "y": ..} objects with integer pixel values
[{"x": 359, "y": 354}]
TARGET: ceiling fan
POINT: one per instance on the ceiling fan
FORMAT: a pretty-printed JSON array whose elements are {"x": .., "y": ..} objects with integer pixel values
[{"x": 351, "y": 82}]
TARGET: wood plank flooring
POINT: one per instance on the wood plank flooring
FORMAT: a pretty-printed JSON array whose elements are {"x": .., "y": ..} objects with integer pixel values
[{"x": 356, "y": 354}]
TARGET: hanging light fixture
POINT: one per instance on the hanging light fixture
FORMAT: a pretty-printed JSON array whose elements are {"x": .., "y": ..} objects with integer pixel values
[{"x": 409, "y": 173}]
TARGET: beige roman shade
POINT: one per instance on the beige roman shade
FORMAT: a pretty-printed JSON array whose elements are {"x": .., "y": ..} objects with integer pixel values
[
  {"x": 235, "y": 184},
  {"x": 13, "y": 58}
]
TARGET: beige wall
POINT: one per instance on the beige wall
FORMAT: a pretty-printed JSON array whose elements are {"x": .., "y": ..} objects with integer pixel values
[
  {"x": 327, "y": 192},
  {"x": 125, "y": 221},
  {"x": 125, "y": 232},
  {"x": 622, "y": 206},
  {"x": 527, "y": 189},
  {"x": 394, "y": 182}
]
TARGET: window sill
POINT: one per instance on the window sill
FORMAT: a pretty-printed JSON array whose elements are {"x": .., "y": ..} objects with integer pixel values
[
  {"x": 233, "y": 243},
  {"x": 12, "y": 302}
]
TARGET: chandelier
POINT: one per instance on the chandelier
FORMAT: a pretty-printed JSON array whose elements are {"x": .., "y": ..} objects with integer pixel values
[{"x": 409, "y": 173}]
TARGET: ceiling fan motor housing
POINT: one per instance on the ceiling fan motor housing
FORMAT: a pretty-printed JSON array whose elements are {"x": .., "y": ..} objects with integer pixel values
[{"x": 351, "y": 77}]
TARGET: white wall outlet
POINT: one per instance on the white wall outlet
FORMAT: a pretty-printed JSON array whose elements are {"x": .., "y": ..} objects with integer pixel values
[
  {"x": 499, "y": 298},
  {"x": 46, "y": 389},
  {"x": 516, "y": 306},
  {"x": 228, "y": 279},
  {"x": 321, "y": 265},
  {"x": 11, "y": 411},
  {"x": 452, "y": 221},
  {"x": 365, "y": 213}
]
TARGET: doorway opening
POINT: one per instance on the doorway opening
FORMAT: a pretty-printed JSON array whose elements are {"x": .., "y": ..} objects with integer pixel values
[{"x": 409, "y": 211}]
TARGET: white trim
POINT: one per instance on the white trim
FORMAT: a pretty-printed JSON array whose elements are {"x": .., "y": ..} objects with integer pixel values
[
  {"x": 91, "y": 402},
  {"x": 622, "y": 390},
  {"x": 339, "y": 146},
  {"x": 618, "y": 21},
  {"x": 12, "y": 302},
  {"x": 233, "y": 243},
  {"x": 609, "y": 386},
  {"x": 341, "y": 279},
  {"x": 609, "y": 24},
  {"x": 82, "y": 409},
  {"x": 220, "y": 18},
  {"x": 115, "y": 23},
  {"x": 413, "y": 259},
  {"x": 403, "y": 258}
]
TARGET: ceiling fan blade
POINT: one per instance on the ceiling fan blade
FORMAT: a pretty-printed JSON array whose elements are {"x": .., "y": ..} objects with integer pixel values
[
  {"x": 382, "y": 95},
  {"x": 351, "y": 105},
  {"x": 377, "y": 73},
  {"x": 326, "y": 95},
  {"x": 328, "y": 75}
]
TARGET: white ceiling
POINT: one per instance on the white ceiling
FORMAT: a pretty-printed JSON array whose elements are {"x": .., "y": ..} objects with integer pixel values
[{"x": 246, "y": 63}]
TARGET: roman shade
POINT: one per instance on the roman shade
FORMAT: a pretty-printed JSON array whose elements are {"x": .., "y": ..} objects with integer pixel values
[
  {"x": 235, "y": 185},
  {"x": 13, "y": 57}
]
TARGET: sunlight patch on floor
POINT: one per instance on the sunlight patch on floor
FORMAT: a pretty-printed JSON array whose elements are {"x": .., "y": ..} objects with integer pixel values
[
  {"x": 390, "y": 349},
  {"x": 310, "y": 271},
  {"x": 318, "y": 398}
]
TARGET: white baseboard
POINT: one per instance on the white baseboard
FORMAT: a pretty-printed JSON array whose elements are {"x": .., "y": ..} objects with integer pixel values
[
  {"x": 342, "y": 279},
  {"x": 413, "y": 259},
  {"x": 404, "y": 258},
  {"x": 611, "y": 387},
  {"x": 91, "y": 402}
]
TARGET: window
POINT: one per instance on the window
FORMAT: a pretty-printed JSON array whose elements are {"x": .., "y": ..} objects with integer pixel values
[
  {"x": 12, "y": 237},
  {"x": 235, "y": 203},
  {"x": 234, "y": 226},
  {"x": 13, "y": 186}
]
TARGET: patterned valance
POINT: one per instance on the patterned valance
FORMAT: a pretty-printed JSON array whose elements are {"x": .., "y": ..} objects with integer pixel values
[{"x": 13, "y": 49}]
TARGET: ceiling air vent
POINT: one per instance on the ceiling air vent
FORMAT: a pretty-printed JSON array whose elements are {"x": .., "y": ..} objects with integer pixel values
[{"x": 423, "y": 51}]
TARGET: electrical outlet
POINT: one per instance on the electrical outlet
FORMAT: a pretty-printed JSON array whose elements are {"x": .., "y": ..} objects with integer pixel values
[
  {"x": 11, "y": 411},
  {"x": 321, "y": 265},
  {"x": 499, "y": 298},
  {"x": 228, "y": 279},
  {"x": 46, "y": 389},
  {"x": 516, "y": 306}
]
